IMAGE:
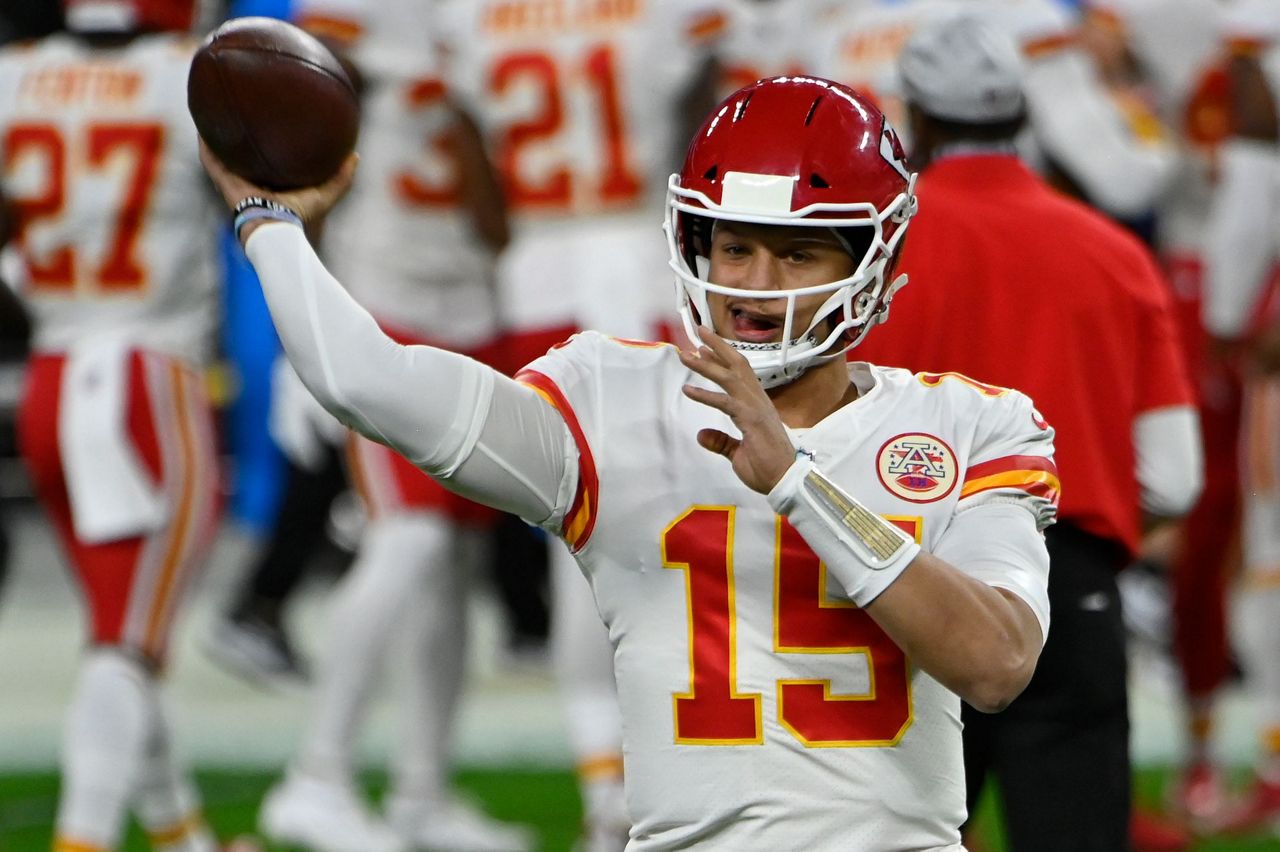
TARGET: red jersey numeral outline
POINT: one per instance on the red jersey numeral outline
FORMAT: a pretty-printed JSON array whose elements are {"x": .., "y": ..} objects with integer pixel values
[
  {"x": 141, "y": 145},
  {"x": 411, "y": 187},
  {"x": 617, "y": 184},
  {"x": 700, "y": 543}
]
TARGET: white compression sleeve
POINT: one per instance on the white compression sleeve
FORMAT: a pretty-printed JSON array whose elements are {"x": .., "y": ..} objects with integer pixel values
[
  {"x": 1169, "y": 460},
  {"x": 481, "y": 434},
  {"x": 1077, "y": 124},
  {"x": 1240, "y": 236}
]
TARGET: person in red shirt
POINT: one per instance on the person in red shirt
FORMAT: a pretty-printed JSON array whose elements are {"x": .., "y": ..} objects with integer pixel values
[{"x": 1016, "y": 285}]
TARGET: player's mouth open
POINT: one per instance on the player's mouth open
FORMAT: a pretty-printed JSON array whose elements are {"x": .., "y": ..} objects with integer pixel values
[{"x": 754, "y": 327}]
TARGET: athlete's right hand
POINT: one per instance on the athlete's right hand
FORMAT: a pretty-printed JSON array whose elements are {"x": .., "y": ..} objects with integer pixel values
[{"x": 311, "y": 203}]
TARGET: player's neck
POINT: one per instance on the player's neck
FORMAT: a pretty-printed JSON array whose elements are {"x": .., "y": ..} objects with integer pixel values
[{"x": 816, "y": 394}]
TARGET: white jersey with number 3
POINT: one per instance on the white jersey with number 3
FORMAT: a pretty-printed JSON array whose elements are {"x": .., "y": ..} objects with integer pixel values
[
  {"x": 400, "y": 241},
  {"x": 116, "y": 220},
  {"x": 761, "y": 709}
]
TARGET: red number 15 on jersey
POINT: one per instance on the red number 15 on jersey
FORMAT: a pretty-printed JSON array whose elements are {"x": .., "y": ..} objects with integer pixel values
[{"x": 713, "y": 712}]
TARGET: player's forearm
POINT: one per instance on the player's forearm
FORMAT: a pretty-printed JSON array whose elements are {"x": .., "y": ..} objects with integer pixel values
[
  {"x": 430, "y": 405},
  {"x": 980, "y": 642}
]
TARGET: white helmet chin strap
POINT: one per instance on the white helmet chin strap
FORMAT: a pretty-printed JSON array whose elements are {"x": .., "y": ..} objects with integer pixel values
[{"x": 770, "y": 369}]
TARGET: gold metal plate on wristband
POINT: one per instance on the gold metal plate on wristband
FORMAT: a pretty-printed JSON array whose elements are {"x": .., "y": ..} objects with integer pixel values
[{"x": 876, "y": 534}]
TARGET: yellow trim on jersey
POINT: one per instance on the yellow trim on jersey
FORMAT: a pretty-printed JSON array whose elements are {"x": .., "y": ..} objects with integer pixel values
[
  {"x": 66, "y": 844},
  {"x": 179, "y": 831},
  {"x": 600, "y": 767}
]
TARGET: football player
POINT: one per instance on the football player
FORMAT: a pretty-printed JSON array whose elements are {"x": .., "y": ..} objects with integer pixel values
[
  {"x": 1167, "y": 53},
  {"x": 804, "y": 565},
  {"x": 114, "y": 220},
  {"x": 581, "y": 104},
  {"x": 415, "y": 242},
  {"x": 1241, "y": 249}
]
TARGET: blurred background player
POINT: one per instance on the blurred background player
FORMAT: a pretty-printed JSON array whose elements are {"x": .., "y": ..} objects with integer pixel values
[
  {"x": 109, "y": 212},
  {"x": 764, "y": 38},
  {"x": 1219, "y": 261},
  {"x": 280, "y": 440},
  {"x": 251, "y": 637},
  {"x": 584, "y": 113},
  {"x": 1096, "y": 296},
  {"x": 415, "y": 242},
  {"x": 1242, "y": 246},
  {"x": 1164, "y": 57},
  {"x": 1075, "y": 132}
]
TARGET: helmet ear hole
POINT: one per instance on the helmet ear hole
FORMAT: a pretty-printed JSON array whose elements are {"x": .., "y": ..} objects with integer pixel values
[
  {"x": 711, "y": 173},
  {"x": 817, "y": 182}
]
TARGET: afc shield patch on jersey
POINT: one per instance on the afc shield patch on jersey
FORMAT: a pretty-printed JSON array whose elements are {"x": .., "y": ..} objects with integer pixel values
[{"x": 917, "y": 467}]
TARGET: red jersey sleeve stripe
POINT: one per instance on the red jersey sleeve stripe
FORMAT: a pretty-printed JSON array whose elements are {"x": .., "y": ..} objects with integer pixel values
[
  {"x": 707, "y": 26},
  {"x": 1037, "y": 48},
  {"x": 581, "y": 517},
  {"x": 342, "y": 30},
  {"x": 1036, "y": 483},
  {"x": 1037, "y": 475}
]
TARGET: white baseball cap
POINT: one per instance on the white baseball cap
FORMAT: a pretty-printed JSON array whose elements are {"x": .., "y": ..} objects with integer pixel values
[{"x": 963, "y": 69}]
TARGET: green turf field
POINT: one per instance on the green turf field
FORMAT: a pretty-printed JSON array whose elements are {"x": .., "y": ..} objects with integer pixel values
[{"x": 544, "y": 799}]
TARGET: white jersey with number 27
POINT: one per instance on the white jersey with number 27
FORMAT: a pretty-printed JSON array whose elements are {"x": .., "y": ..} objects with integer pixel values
[{"x": 116, "y": 221}]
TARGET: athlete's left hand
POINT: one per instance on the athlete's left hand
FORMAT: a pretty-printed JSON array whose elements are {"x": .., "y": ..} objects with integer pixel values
[{"x": 764, "y": 452}]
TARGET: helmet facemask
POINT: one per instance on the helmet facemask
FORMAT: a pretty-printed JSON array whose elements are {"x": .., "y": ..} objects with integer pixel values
[{"x": 853, "y": 304}]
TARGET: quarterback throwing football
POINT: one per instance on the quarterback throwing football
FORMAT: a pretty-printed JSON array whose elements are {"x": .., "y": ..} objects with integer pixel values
[{"x": 804, "y": 564}]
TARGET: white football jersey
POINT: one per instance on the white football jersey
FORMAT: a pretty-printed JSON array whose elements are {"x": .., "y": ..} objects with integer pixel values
[
  {"x": 765, "y": 38},
  {"x": 117, "y": 221},
  {"x": 761, "y": 709},
  {"x": 400, "y": 241},
  {"x": 579, "y": 98},
  {"x": 579, "y": 101}
]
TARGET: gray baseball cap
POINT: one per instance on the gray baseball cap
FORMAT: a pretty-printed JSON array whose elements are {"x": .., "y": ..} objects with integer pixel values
[{"x": 963, "y": 69}]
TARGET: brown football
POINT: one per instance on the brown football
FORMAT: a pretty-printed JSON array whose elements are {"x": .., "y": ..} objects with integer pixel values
[{"x": 273, "y": 103}]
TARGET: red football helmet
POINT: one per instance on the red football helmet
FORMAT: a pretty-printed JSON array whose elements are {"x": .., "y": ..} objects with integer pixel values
[
  {"x": 794, "y": 151},
  {"x": 126, "y": 16}
]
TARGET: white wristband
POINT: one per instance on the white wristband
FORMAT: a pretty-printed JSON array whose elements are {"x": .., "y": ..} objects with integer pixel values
[{"x": 864, "y": 552}]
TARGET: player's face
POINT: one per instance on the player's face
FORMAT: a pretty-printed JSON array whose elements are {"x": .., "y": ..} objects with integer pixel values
[{"x": 770, "y": 257}]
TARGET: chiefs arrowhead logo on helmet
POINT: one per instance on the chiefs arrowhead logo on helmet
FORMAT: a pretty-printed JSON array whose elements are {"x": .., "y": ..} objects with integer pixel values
[{"x": 891, "y": 149}]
